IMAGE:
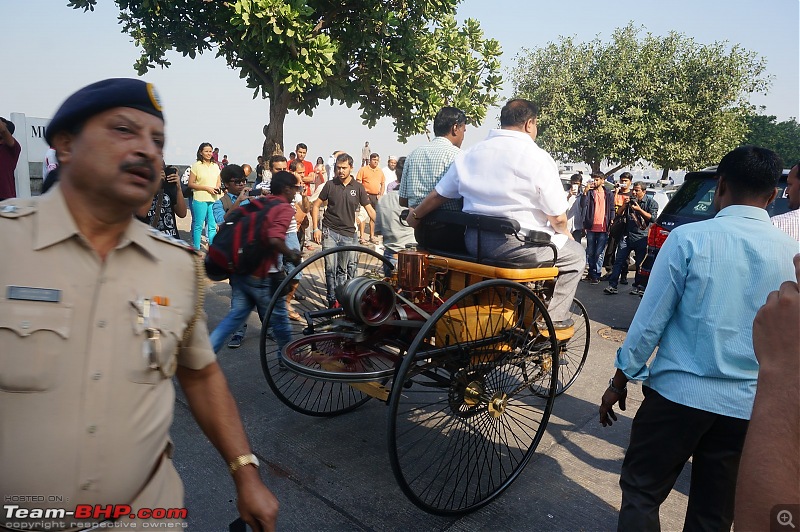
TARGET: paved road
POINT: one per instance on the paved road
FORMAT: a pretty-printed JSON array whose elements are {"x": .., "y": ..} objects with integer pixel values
[{"x": 334, "y": 474}]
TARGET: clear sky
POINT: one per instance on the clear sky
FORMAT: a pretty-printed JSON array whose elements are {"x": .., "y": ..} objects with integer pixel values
[{"x": 52, "y": 50}]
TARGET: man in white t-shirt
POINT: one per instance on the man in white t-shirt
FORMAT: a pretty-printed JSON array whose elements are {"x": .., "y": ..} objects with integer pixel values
[{"x": 509, "y": 175}]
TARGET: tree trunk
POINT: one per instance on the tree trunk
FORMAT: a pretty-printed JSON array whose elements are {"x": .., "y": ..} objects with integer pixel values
[
  {"x": 273, "y": 132},
  {"x": 665, "y": 174}
]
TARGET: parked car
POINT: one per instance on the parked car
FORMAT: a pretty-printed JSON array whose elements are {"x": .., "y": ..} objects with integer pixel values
[
  {"x": 693, "y": 202},
  {"x": 661, "y": 196}
]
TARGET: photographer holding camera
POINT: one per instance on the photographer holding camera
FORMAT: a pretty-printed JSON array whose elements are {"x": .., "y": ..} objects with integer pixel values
[
  {"x": 640, "y": 211},
  {"x": 236, "y": 192},
  {"x": 167, "y": 203}
]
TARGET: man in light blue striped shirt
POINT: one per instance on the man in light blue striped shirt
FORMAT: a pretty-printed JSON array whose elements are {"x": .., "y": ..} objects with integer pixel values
[
  {"x": 426, "y": 165},
  {"x": 709, "y": 280}
]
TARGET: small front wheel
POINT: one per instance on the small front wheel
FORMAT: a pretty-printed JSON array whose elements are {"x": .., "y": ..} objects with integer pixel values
[{"x": 318, "y": 313}]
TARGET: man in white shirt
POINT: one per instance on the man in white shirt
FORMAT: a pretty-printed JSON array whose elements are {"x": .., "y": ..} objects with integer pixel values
[
  {"x": 789, "y": 222},
  {"x": 509, "y": 175},
  {"x": 390, "y": 179}
]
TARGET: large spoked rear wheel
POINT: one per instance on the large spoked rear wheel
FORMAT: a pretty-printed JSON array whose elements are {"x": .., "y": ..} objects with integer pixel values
[
  {"x": 301, "y": 392},
  {"x": 472, "y": 398},
  {"x": 574, "y": 351}
]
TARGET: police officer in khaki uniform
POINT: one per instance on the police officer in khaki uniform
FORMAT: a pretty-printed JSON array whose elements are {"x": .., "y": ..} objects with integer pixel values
[{"x": 97, "y": 312}]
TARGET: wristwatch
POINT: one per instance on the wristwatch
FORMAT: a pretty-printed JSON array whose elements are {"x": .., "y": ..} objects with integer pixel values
[
  {"x": 619, "y": 391},
  {"x": 241, "y": 461}
]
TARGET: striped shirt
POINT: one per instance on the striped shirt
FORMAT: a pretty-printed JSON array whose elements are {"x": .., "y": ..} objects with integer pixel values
[
  {"x": 424, "y": 167},
  {"x": 707, "y": 284},
  {"x": 789, "y": 223}
]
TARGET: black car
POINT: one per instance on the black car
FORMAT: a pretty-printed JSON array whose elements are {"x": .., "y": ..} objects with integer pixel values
[{"x": 693, "y": 202}]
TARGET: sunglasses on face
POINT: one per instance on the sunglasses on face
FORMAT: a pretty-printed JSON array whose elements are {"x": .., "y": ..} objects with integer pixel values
[{"x": 239, "y": 181}]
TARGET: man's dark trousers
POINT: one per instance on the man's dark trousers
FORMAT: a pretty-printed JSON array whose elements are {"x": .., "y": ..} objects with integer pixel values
[{"x": 664, "y": 435}]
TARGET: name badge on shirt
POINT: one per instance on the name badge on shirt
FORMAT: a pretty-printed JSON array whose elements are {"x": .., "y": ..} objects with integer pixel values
[{"x": 27, "y": 293}]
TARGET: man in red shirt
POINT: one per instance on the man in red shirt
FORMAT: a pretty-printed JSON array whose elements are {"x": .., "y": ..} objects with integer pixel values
[
  {"x": 256, "y": 290},
  {"x": 597, "y": 204},
  {"x": 308, "y": 179},
  {"x": 9, "y": 155}
]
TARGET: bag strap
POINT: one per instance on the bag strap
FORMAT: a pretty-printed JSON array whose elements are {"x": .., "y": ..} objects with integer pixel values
[
  {"x": 200, "y": 296},
  {"x": 226, "y": 202}
]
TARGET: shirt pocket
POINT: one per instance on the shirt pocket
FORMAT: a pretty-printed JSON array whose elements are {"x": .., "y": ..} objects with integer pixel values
[
  {"x": 145, "y": 369},
  {"x": 33, "y": 340}
]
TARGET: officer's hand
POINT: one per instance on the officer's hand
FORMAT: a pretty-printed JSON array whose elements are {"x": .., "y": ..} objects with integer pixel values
[
  {"x": 257, "y": 506},
  {"x": 610, "y": 397}
]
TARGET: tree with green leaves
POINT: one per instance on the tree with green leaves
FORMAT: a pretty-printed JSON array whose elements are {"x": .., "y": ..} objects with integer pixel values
[
  {"x": 780, "y": 137},
  {"x": 667, "y": 100},
  {"x": 402, "y": 59}
]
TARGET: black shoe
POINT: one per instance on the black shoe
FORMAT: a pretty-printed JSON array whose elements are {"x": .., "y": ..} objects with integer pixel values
[
  {"x": 606, "y": 277},
  {"x": 236, "y": 341},
  {"x": 623, "y": 281},
  {"x": 594, "y": 281}
]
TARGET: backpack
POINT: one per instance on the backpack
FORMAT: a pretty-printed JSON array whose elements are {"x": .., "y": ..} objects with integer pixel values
[{"x": 239, "y": 246}]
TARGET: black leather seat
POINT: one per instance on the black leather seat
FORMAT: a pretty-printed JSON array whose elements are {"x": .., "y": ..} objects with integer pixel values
[{"x": 449, "y": 223}]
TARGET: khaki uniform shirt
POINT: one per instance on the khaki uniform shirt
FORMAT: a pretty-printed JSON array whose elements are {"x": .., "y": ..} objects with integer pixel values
[{"x": 82, "y": 415}]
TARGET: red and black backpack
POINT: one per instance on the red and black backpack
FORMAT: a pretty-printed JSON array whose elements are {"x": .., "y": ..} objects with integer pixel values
[{"x": 241, "y": 243}]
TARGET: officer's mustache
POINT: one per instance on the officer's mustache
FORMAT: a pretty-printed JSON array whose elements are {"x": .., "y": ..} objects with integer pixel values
[{"x": 140, "y": 167}]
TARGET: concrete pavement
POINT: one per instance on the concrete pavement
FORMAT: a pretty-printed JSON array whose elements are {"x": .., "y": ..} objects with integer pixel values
[{"x": 334, "y": 473}]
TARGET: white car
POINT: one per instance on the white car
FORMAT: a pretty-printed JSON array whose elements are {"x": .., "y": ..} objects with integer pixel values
[{"x": 661, "y": 196}]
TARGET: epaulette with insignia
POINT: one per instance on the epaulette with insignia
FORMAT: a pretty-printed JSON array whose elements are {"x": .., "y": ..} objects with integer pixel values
[
  {"x": 164, "y": 237},
  {"x": 17, "y": 209}
]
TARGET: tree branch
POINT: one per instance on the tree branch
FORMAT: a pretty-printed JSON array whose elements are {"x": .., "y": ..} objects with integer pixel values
[{"x": 258, "y": 71}]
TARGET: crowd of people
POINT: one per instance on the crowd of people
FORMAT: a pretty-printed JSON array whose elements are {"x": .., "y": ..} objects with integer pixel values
[{"x": 699, "y": 388}]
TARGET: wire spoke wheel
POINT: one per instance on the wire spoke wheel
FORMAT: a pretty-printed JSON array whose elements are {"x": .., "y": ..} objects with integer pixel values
[
  {"x": 575, "y": 350},
  {"x": 311, "y": 301},
  {"x": 472, "y": 398}
]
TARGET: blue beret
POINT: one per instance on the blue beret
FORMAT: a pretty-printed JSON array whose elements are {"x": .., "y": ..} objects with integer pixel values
[{"x": 101, "y": 96}]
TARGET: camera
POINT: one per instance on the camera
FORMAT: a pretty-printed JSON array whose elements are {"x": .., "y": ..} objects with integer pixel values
[{"x": 169, "y": 170}]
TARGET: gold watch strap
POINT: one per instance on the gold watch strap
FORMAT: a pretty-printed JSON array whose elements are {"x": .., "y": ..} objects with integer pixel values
[{"x": 241, "y": 461}]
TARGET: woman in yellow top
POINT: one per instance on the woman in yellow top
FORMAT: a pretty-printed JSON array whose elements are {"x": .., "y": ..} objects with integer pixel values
[{"x": 205, "y": 182}]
